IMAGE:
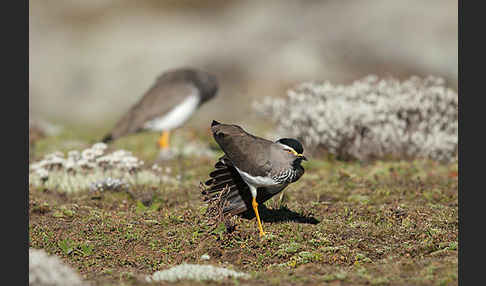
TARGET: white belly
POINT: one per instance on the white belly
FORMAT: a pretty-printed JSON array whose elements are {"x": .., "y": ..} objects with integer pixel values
[
  {"x": 256, "y": 181},
  {"x": 176, "y": 116}
]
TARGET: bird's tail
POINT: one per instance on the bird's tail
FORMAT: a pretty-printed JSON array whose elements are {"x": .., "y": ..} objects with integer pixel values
[{"x": 226, "y": 184}]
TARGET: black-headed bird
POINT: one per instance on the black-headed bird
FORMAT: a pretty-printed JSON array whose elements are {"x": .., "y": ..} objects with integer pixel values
[{"x": 252, "y": 170}]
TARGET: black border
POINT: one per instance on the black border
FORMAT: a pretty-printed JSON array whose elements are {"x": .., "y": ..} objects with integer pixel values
[
  {"x": 471, "y": 223},
  {"x": 15, "y": 123},
  {"x": 461, "y": 274},
  {"x": 23, "y": 67}
]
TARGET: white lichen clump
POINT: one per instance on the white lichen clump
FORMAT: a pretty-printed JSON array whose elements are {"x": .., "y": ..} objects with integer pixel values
[
  {"x": 95, "y": 170},
  {"x": 186, "y": 149},
  {"x": 195, "y": 272},
  {"x": 371, "y": 118},
  {"x": 45, "y": 270},
  {"x": 197, "y": 149},
  {"x": 109, "y": 184}
]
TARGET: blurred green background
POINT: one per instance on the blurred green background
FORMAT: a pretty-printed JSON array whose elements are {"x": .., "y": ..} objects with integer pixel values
[{"x": 90, "y": 60}]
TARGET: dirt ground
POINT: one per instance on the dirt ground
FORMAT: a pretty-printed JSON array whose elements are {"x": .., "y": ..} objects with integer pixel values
[{"x": 380, "y": 223}]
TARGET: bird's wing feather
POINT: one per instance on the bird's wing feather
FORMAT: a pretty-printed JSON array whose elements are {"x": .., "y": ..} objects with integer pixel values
[
  {"x": 238, "y": 196},
  {"x": 247, "y": 152},
  {"x": 157, "y": 101}
]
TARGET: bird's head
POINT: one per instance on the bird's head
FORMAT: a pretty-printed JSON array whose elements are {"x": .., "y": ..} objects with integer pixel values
[
  {"x": 207, "y": 83},
  {"x": 293, "y": 148}
]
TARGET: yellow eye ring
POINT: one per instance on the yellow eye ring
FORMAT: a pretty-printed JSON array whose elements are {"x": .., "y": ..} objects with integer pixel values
[{"x": 291, "y": 151}]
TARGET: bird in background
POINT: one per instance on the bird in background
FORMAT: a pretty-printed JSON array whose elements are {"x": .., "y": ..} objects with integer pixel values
[
  {"x": 252, "y": 169},
  {"x": 167, "y": 105}
]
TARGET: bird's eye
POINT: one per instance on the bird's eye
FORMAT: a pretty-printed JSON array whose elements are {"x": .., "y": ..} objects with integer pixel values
[{"x": 288, "y": 150}]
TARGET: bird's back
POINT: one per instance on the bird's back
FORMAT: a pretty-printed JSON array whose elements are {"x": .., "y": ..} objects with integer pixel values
[
  {"x": 170, "y": 89},
  {"x": 248, "y": 153},
  {"x": 159, "y": 100}
]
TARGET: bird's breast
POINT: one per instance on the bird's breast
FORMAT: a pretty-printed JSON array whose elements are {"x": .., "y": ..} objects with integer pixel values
[{"x": 288, "y": 176}]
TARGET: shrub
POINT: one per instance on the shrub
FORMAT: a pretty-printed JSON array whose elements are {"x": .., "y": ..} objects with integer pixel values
[
  {"x": 370, "y": 118},
  {"x": 93, "y": 169}
]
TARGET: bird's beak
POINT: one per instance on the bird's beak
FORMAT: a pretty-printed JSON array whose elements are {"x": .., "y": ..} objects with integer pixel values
[{"x": 302, "y": 156}]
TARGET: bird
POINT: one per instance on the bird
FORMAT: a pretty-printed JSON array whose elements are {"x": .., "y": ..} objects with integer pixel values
[
  {"x": 252, "y": 169},
  {"x": 167, "y": 104}
]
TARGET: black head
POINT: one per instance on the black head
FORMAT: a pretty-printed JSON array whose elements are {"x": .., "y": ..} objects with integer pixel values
[
  {"x": 207, "y": 84},
  {"x": 293, "y": 143}
]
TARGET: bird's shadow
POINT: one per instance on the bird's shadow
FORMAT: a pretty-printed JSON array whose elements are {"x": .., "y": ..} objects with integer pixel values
[{"x": 283, "y": 214}]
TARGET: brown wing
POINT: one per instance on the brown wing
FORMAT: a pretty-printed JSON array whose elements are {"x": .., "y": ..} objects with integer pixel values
[
  {"x": 238, "y": 197},
  {"x": 224, "y": 176},
  {"x": 157, "y": 101},
  {"x": 248, "y": 153}
]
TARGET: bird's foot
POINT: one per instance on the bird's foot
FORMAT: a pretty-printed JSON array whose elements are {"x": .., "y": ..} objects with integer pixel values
[{"x": 163, "y": 141}]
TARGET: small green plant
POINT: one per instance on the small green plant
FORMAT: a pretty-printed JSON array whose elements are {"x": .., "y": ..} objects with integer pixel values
[
  {"x": 288, "y": 248},
  {"x": 66, "y": 245},
  {"x": 86, "y": 249},
  {"x": 219, "y": 230}
]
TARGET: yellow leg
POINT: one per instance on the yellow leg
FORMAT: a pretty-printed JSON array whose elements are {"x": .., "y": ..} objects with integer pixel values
[
  {"x": 164, "y": 140},
  {"x": 255, "y": 208}
]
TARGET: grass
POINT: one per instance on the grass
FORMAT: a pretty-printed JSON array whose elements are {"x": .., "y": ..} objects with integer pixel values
[{"x": 382, "y": 223}]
